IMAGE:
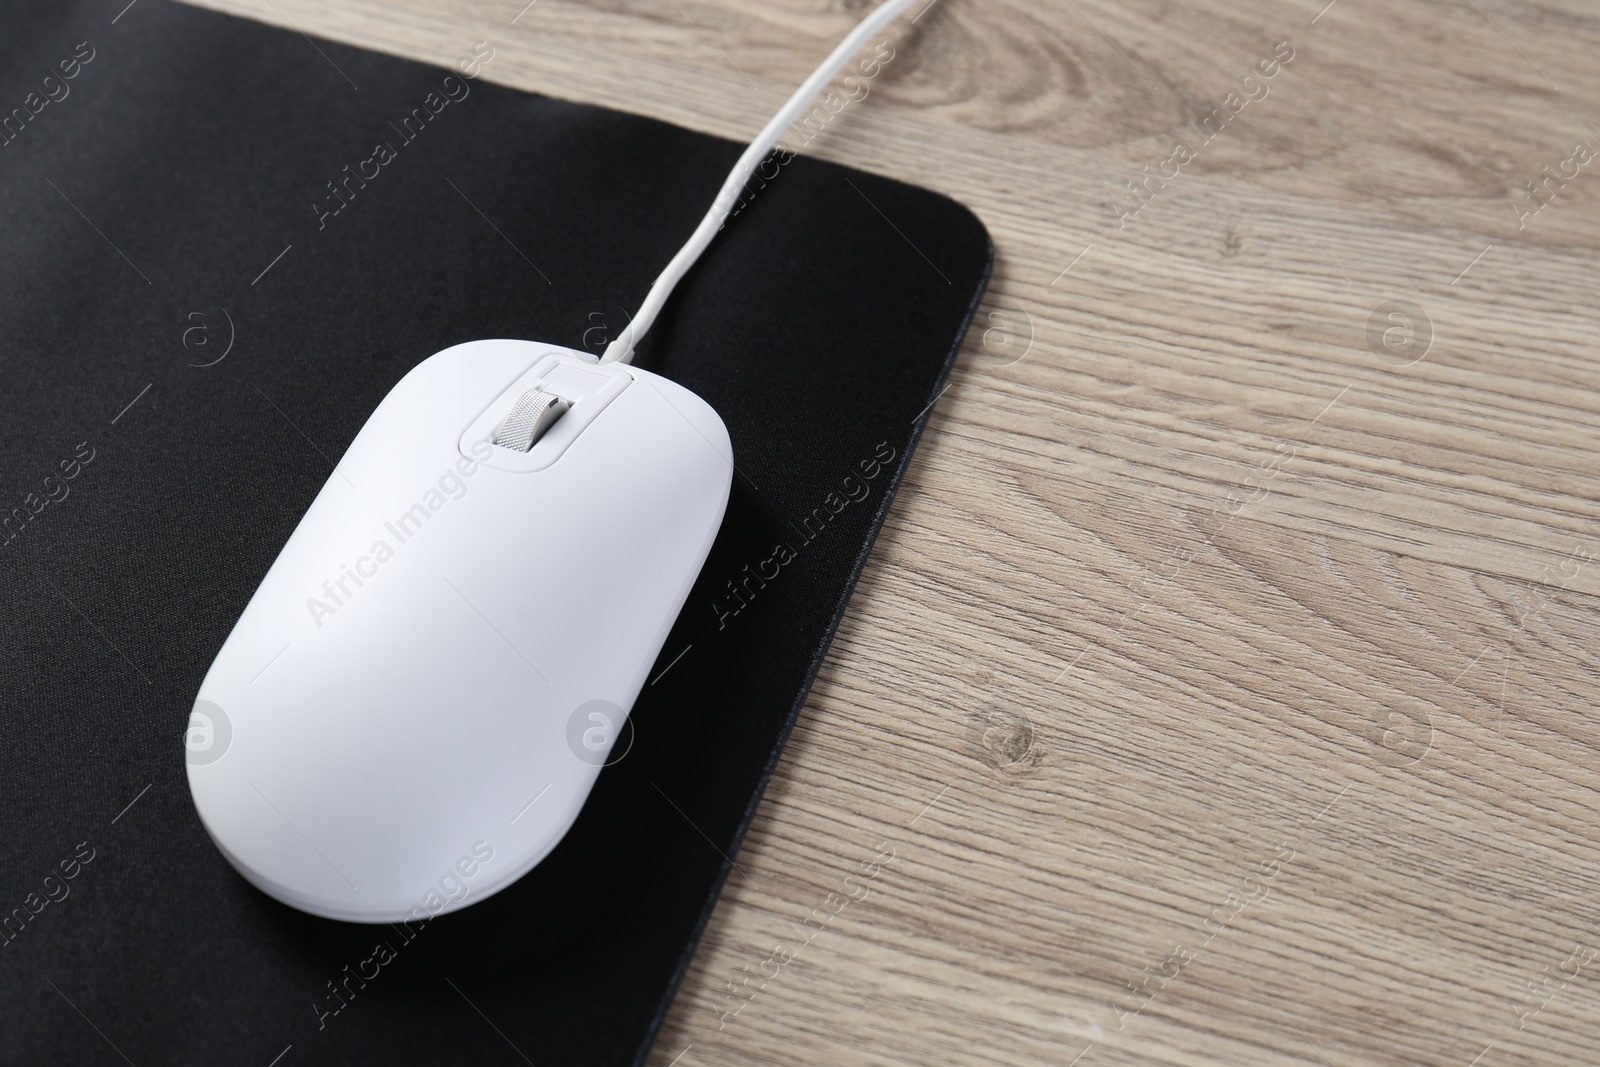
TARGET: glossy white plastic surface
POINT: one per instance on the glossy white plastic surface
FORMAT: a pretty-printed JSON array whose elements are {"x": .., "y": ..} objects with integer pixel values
[{"x": 404, "y": 719}]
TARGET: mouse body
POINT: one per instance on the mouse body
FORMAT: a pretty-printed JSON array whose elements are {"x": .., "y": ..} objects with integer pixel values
[{"x": 421, "y": 693}]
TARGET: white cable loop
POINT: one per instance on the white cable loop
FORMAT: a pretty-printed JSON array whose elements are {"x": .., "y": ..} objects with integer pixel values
[{"x": 621, "y": 350}]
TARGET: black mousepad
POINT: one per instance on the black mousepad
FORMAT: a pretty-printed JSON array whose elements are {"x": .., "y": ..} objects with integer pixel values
[{"x": 221, "y": 244}]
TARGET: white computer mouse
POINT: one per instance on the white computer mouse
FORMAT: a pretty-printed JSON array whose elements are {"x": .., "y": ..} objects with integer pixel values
[{"x": 420, "y": 695}]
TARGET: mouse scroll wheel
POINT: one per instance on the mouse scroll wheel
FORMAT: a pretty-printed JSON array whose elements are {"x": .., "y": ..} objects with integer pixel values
[{"x": 530, "y": 417}]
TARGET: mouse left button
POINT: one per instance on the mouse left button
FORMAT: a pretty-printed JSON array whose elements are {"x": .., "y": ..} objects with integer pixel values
[{"x": 529, "y": 418}]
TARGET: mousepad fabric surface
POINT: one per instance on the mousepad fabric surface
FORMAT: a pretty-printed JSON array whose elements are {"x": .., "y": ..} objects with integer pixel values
[{"x": 221, "y": 245}]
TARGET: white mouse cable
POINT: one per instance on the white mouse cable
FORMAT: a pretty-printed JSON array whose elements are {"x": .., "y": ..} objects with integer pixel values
[{"x": 621, "y": 350}]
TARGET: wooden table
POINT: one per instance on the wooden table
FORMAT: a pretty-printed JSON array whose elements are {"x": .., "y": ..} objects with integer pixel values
[{"x": 1223, "y": 684}]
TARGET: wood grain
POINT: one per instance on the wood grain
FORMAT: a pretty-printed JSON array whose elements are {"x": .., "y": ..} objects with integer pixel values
[{"x": 1224, "y": 692}]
